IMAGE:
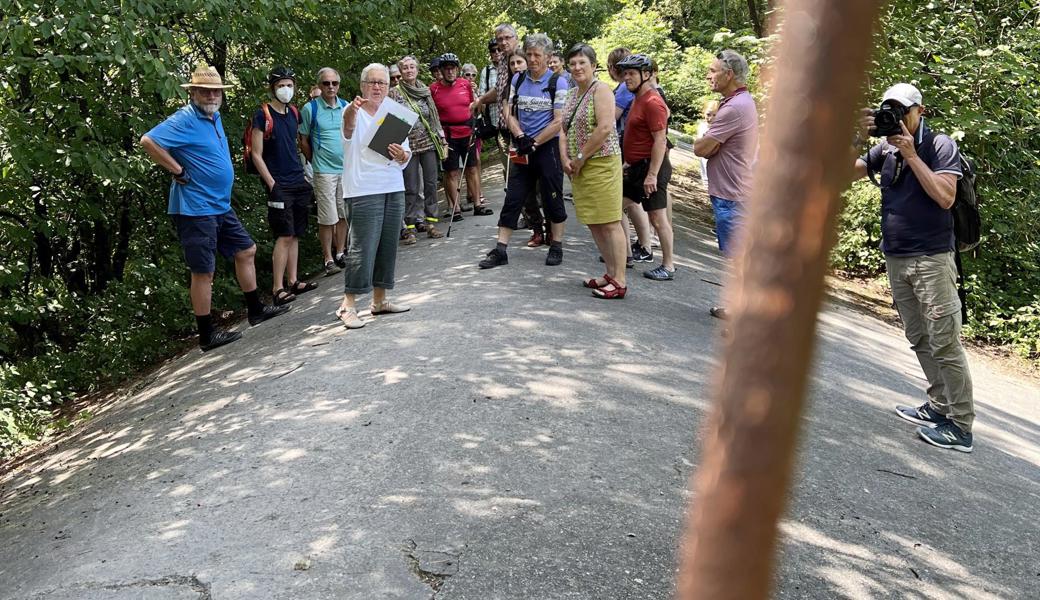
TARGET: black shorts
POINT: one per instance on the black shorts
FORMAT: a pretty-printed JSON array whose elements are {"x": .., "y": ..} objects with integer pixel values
[
  {"x": 202, "y": 237},
  {"x": 288, "y": 208},
  {"x": 457, "y": 148},
  {"x": 632, "y": 184}
]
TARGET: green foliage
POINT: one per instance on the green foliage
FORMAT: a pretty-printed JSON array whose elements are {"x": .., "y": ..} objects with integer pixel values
[
  {"x": 858, "y": 250},
  {"x": 975, "y": 63}
]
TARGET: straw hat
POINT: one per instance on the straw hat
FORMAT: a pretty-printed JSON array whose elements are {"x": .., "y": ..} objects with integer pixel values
[{"x": 206, "y": 77}]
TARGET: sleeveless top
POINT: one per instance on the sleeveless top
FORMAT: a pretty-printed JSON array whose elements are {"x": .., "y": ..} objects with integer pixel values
[{"x": 584, "y": 123}]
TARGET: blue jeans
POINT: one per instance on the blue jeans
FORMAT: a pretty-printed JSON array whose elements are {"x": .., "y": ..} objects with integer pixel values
[
  {"x": 729, "y": 220},
  {"x": 375, "y": 224}
]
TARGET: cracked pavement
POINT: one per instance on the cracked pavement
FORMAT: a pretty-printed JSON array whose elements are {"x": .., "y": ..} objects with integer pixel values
[{"x": 511, "y": 437}]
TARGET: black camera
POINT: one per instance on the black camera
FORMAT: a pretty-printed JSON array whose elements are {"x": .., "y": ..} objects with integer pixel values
[{"x": 887, "y": 119}]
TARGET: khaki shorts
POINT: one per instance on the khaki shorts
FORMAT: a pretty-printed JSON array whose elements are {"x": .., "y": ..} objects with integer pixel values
[{"x": 328, "y": 195}]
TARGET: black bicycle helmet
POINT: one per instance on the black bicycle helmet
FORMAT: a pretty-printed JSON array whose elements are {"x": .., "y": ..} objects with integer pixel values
[
  {"x": 435, "y": 63},
  {"x": 492, "y": 45},
  {"x": 279, "y": 73},
  {"x": 449, "y": 58},
  {"x": 639, "y": 62}
]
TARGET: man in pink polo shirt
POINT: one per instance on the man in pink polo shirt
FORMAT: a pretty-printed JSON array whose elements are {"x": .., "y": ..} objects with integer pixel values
[
  {"x": 453, "y": 97},
  {"x": 731, "y": 146}
]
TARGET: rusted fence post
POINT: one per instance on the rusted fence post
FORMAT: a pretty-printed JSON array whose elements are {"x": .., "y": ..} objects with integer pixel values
[{"x": 775, "y": 291}]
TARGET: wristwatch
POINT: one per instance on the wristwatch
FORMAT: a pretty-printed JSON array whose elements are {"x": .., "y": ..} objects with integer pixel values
[
  {"x": 182, "y": 178},
  {"x": 580, "y": 156}
]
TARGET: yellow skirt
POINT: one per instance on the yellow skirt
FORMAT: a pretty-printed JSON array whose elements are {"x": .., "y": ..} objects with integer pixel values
[{"x": 597, "y": 190}]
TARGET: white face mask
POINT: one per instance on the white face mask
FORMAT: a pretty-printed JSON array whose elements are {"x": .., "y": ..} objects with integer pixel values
[{"x": 284, "y": 94}]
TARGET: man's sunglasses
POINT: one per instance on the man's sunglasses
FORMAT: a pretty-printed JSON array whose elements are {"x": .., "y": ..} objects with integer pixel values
[{"x": 330, "y": 83}]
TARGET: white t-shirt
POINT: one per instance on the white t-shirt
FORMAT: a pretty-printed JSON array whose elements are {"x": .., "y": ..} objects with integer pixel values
[{"x": 363, "y": 175}]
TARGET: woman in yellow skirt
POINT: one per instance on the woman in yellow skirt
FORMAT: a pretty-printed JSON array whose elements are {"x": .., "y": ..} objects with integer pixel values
[{"x": 591, "y": 157}]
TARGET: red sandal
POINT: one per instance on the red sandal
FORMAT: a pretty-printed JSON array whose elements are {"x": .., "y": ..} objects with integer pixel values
[
  {"x": 615, "y": 293},
  {"x": 593, "y": 284}
]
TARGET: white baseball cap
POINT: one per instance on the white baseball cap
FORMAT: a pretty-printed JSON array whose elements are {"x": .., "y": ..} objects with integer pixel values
[{"x": 903, "y": 93}]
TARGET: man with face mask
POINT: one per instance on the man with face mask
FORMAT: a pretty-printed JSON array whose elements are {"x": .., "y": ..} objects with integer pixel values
[
  {"x": 277, "y": 161},
  {"x": 918, "y": 171},
  {"x": 192, "y": 145}
]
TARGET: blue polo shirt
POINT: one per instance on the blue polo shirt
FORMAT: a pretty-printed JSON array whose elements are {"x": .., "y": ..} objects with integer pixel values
[
  {"x": 200, "y": 145},
  {"x": 327, "y": 138},
  {"x": 912, "y": 224},
  {"x": 280, "y": 152},
  {"x": 534, "y": 107}
]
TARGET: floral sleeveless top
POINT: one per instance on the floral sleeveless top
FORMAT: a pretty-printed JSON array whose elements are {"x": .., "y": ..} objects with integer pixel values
[{"x": 584, "y": 123}]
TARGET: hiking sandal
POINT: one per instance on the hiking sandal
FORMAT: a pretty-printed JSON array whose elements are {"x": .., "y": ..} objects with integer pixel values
[
  {"x": 299, "y": 287},
  {"x": 283, "y": 296}
]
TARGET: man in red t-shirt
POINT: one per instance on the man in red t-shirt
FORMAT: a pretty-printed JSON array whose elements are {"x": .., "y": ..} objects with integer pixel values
[
  {"x": 645, "y": 150},
  {"x": 453, "y": 97}
]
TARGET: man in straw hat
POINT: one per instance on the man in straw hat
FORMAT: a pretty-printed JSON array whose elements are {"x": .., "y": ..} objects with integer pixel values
[{"x": 191, "y": 145}]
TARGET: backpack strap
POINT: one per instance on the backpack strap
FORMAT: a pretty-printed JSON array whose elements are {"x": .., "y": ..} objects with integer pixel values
[
  {"x": 551, "y": 88},
  {"x": 268, "y": 121},
  {"x": 516, "y": 94},
  {"x": 315, "y": 139}
]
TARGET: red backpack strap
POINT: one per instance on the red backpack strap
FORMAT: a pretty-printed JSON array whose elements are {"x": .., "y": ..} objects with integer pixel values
[
  {"x": 268, "y": 121},
  {"x": 296, "y": 112}
]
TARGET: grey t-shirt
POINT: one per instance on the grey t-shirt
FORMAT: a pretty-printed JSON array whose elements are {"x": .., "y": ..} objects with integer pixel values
[{"x": 912, "y": 224}]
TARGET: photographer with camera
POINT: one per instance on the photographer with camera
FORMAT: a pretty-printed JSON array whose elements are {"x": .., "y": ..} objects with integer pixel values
[{"x": 918, "y": 171}]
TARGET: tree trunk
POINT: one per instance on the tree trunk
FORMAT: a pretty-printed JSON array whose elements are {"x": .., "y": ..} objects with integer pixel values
[{"x": 756, "y": 20}]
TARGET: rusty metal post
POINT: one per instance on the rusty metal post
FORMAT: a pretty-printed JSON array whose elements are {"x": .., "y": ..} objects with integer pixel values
[{"x": 774, "y": 294}]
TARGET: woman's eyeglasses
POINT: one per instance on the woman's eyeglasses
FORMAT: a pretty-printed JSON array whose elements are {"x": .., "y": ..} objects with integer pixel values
[{"x": 469, "y": 75}]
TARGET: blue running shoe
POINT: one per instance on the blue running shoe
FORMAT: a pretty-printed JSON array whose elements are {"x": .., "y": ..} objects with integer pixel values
[
  {"x": 947, "y": 435},
  {"x": 923, "y": 415},
  {"x": 660, "y": 274}
]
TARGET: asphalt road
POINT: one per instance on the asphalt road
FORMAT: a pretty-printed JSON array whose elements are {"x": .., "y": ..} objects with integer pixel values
[{"x": 510, "y": 437}]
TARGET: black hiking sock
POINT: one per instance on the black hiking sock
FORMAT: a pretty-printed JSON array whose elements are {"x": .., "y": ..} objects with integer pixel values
[
  {"x": 205, "y": 326},
  {"x": 253, "y": 302},
  {"x": 556, "y": 244},
  {"x": 500, "y": 247}
]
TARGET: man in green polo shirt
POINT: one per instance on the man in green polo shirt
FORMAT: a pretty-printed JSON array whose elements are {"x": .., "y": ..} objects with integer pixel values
[{"x": 321, "y": 140}]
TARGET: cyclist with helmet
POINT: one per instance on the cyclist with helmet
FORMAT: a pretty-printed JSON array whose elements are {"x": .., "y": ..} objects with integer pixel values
[
  {"x": 453, "y": 96},
  {"x": 277, "y": 161},
  {"x": 645, "y": 151}
]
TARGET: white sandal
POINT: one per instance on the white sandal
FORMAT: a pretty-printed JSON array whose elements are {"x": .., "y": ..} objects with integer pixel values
[
  {"x": 350, "y": 318},
  {"x": 388, "y": 308}
]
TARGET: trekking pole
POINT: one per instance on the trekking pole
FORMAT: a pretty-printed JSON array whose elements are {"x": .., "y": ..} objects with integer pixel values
[{"x": 457, "y": 206}]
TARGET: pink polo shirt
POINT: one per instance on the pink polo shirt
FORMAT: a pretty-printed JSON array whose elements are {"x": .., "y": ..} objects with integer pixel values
[
  {"x": 736, "y": 129},
  {"x": 453, "y": 106}
]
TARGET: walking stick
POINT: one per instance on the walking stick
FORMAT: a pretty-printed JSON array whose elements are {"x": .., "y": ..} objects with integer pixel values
[{"x": 457, "y": 205}]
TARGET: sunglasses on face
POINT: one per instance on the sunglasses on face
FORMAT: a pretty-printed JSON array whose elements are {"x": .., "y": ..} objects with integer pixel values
[
  {"x": 330, "y": 83},
  {"x": 469, "y": 74}
]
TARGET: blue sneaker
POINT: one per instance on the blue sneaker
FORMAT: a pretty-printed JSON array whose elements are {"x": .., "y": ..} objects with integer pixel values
[
  {"x": 947, "y": 435},
  {"x": 923, "y": 415},
  {"x": 660, "y": 274}
]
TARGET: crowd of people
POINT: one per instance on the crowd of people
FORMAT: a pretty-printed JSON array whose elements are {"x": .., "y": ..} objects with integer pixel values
[{"x": 551, "y": 116}]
